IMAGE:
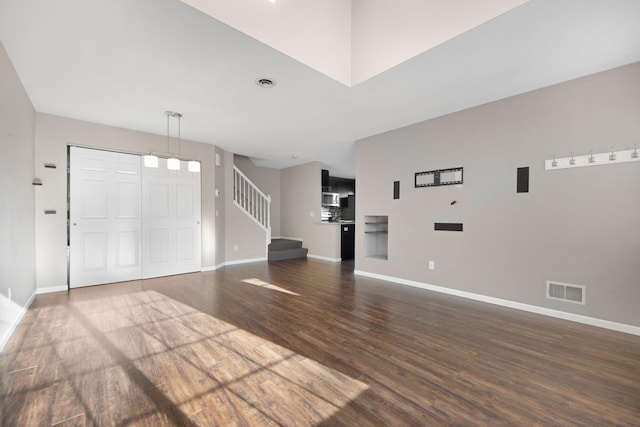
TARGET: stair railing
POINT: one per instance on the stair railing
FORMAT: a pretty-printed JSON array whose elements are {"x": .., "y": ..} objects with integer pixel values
[{"x": 248, "y": 197}]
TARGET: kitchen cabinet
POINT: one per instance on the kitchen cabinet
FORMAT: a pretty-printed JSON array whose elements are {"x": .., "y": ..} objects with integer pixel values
[
  {"x": 342, "y": 186},
  {"x": 325, "y": 180}
]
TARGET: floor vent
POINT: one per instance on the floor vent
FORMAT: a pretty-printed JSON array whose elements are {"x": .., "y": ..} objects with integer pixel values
[{"x": 566, "y": 292}]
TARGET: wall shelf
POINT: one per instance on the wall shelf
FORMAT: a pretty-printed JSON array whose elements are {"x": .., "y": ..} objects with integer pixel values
[{"x": 376, "y": 229}]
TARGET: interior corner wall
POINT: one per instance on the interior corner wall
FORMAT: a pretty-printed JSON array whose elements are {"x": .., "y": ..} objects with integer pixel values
[
  {"x": 244, "y": 239},
  {"x": 17, "y": 210},
  {"x": 300, "y": 189},
  {"x": 53, "y": 135},
  {"x": 268, "y": 181},
  {"x": 577, "y": 226}
]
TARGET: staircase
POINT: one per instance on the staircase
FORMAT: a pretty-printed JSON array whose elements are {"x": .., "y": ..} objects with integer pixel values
[
  {"x": 248, "y": 197},
  {"x": 257, "y": 205},
  {"x": 281, "y": 249}
]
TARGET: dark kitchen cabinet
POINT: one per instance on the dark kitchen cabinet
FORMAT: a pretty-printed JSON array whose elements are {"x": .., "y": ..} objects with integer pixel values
[
  {"x": 325, "y": 180},
  {"x": 348, "y": 241},
  {"x": 342, "y": 186}
]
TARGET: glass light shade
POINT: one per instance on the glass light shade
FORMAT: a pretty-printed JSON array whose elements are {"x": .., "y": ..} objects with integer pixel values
[
  {"x": 173, "y": 164},
  {"x": 193, "y": 166},
  {"x": 150, "y": 161}
]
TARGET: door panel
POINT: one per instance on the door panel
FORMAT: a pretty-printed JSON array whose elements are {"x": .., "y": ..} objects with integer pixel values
[
  {"x": 95, "y": 251},
  {"x": 185, "y": 244},
  {"x": 128, "y": 200},
  {"x": 105, "y": 217},
  {"x": 171, "y": 221},
  {"x": 158, "y": 246},
  {"x": 128, "y": 249},
  {"x": 94, "y": 198}
]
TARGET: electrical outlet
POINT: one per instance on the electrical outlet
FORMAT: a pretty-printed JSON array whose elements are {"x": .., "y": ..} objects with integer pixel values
[
  {"x": 432, "y": 265},
  {"x": 9, "y": 293}
]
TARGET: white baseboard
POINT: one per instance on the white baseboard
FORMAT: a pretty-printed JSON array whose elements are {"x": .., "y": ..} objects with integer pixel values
[
  {"x": 245, "y": 261},
  {"x": 49, "y": 289},
  {"x": 214, "y": 268},
  {"x": 324, "y": 258},
  {"x": 240, "y": 261},
  {"x": 14, "y": 324},
  {"x": 607, "y": 324}
]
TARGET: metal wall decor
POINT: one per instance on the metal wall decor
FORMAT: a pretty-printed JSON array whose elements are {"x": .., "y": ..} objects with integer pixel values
[{"x": 438, "y": 177}]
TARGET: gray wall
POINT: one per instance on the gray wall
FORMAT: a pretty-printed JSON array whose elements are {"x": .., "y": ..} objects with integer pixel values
[
  {"x": 575, "y": 225},
  {"x": 17, "y": 208},
  {"x": 220, "y": 209}
]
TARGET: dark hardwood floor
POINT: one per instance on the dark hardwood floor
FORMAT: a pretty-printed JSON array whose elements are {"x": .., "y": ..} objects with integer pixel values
[{"x": 303, "y": 342}]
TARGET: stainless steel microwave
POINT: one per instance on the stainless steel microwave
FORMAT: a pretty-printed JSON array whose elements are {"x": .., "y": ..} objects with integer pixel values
[{"x": 330, "y": 199}]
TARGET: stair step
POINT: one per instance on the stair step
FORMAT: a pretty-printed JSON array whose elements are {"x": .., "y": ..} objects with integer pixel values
[
  {"x": 282, "y": 244},
  {"x": 283, "y": 254}
]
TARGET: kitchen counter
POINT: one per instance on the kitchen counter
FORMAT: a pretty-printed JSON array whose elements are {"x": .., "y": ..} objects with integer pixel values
[{"x": 336, "y": 222}]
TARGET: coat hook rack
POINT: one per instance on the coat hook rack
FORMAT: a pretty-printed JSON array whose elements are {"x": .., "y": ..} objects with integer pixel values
[{"x": 591, "y": 159}]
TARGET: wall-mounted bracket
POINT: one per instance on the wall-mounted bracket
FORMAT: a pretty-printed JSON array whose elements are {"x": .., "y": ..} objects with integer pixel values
[{"x": 438, "y": 177}]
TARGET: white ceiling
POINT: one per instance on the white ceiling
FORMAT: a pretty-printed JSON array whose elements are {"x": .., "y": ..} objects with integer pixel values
[
  {"x": 123, "y": 63},
  {"x": 353, "y": 40}
]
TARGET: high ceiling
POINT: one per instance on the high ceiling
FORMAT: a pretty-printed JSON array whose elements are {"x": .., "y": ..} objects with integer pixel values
[{"x": 125, "y": 62}]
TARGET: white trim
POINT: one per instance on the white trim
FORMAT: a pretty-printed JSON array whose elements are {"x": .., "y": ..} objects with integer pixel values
[
  {"x": 7, "y": 335},
  {"x": 324, "y": 258},
  {"x": 214, "y": 268},
  {"x": 50, "y": 289},
  {"x": 607, "y": 324},
  {"x": 245, "y": 261}
]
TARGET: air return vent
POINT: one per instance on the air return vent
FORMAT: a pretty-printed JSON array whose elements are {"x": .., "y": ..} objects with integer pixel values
[{"x": 566, "y": 292}]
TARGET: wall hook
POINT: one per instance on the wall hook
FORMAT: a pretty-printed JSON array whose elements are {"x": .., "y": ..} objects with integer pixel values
[
  {"x": 572, "y": 161},
  {"x": 612, "y": 156},
  {"x": 554, "y": 163},
  {"x": 591, "y": 158},
  {"x": 634, "y": 155}
]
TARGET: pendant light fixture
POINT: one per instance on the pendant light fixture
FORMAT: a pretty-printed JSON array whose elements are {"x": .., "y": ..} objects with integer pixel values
[
  {"x": 173, "y": 161},
  {"x": 150, "y": 161},
  {"x": 193, "y": 166}
]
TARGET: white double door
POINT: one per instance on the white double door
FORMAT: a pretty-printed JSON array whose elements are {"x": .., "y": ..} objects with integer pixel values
[{"x": 128, "y": 222}]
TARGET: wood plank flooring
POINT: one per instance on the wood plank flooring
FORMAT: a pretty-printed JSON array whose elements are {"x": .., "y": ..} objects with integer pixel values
[{"x": 303, "y": 342}]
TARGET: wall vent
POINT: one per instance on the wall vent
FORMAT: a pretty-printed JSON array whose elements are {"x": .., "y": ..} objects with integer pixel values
[{"x": 566, "y": 292}]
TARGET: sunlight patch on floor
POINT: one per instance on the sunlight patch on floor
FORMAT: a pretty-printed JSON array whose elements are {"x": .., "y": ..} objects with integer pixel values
[
  {"x": 160, "y": 358},
  {"x": 263, "y": 284}
]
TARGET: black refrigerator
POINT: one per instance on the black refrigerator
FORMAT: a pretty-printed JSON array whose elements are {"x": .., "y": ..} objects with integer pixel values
[{"x": 348, "y": 241}]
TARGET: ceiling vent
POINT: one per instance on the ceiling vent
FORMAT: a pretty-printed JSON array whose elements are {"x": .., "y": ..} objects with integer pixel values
[
  {"x": 265, "y": 82},
  {"x": 566, "y": 292}
]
